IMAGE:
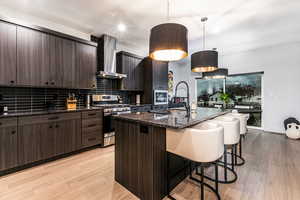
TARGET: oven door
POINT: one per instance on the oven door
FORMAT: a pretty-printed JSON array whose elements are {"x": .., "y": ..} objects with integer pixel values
[
  {"x": 160, "y": 97},
  {"x": 108, "y": 130}
]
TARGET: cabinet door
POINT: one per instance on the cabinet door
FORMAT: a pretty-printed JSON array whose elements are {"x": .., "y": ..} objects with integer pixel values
[
  {"x": 48, "y": 140},
  {"x": 160, "y": 75},
  {"x": 29, "y": 143},
  {"x": 8, "y": 148},
  {"x": 139, "y": 75},
  {"x": 8, "y": 56},
  {"x": 71, "y": 131},
  {"x": 32, "y": 57},
  {"x": 62, "y": 63},
  {"x": 128, "y": 70},
  {"x": 86, "y": 62}
]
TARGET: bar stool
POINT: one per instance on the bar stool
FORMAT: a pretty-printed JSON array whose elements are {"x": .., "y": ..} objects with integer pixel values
[
  {"x": 201, "y": 145},
  {"x": 231, "y": 139},
  {"x": 243, "y": 130}
]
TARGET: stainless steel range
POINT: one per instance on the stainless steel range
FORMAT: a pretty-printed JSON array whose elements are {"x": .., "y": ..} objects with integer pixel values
[{"x": 112, "y": 106}]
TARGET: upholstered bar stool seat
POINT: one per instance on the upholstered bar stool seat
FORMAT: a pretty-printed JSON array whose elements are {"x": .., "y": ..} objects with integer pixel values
[
  {"x": 243, "y": 117},
  {"x": 201, "y": 144},
  {"x": 231, "y": 139}
]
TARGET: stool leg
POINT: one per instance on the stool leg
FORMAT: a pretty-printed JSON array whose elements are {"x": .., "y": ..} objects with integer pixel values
[
  {"x": 225, "y": 164},
  {"x": 191, "y": 168},
  {"x": 233, "y": 158},
  {"x": 202, "y": 181},
  {"x": 240, "y": 147},
  {"x": 217, "y": 177}
]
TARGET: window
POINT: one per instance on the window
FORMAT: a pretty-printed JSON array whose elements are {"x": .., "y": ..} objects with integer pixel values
[{"x": 244, "y": 90}]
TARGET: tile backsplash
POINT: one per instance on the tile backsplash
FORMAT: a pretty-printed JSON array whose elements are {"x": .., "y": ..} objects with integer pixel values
[{"x": 20, "y": 99}]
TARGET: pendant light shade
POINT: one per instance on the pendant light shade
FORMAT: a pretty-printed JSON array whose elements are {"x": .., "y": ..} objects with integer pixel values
[
  {"x": 204, "y": 61},
  {"x": 219, "y": 73},
  {"x": 168, "y": 42}
]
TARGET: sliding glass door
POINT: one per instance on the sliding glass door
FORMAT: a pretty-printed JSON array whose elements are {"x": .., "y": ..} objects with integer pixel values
[{"x": 244, "y": 91}]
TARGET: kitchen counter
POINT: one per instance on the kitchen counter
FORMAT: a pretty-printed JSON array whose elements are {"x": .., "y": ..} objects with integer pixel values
[
  {"x": 23, "y": 114},
  {"x": 140, "y": 150},
  {"x": 177, "y": 118}
]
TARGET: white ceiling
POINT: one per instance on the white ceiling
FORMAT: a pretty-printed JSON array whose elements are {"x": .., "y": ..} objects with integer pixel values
[{"x": 232, "y": 24}]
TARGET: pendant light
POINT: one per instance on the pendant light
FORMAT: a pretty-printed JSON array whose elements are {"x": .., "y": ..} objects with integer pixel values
[
  {"x": 217, "y": 74},
  {"x": 168, "y": 41},
  {"x": 206, "y": 60}
]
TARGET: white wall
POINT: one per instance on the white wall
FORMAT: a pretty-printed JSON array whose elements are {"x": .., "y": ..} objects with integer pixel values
[
  {"x": 32, "y": 20},
  {"x": 281, "y": 86}
]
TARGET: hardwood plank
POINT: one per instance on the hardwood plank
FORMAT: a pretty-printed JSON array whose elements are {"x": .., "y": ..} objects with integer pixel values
[{"x": 271, "y": 172}]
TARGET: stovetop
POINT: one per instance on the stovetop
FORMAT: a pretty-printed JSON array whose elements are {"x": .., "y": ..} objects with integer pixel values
[{"x": 115, "y": 105}]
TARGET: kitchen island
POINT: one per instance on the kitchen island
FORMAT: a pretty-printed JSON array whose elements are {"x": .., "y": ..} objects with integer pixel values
[{"x": 140, "y": 150}]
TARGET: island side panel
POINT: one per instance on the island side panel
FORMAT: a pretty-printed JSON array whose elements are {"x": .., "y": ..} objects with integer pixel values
[
  {"x": 126, "y": 155},
  {"x": 140, "y": 159}
]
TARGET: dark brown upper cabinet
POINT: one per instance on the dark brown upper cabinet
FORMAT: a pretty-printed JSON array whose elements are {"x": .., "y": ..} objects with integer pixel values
[
  {"x": 132, "y": 66},
  {"x": 62, "y": 71},
  {"x": 37, "y": 57},
  {"x": 86, "y": 66},
  {"x": 32, "y": 57},
  {"x": 8, "y": 56},
  {"x": 156, "y": 78},
  {"x": 8, "y": 143}
]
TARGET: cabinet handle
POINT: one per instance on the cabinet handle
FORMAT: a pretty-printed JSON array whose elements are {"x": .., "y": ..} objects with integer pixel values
[
  {"x": 92, "y": 114},
  {"x": 53, "y": 118},
  {"x": 57, "y": 126},
  {"x": 93, "y": 85},
  {"x": 144, "y": 129},
  {"x": 92, "y": 125},
  {"x": 13, "y": 132},
  {"x": 47, "y": 83},
  {"x": 91, "y": 139},
  {"x": 51, "y": 126},
  {"x": 12, "y": 82},
  {"x": 52, "y": 83}
]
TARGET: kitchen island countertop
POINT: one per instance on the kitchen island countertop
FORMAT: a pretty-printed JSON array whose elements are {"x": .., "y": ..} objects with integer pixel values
[{"x": 177, "y": 118}]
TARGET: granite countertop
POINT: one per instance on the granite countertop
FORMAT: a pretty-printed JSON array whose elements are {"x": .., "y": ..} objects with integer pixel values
[
  {"x": 177, "y": 118},
  {"x": 22, "y": 114}
]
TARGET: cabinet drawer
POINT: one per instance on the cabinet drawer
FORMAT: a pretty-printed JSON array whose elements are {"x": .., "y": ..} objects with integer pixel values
[
  {"x": 88, "y": 123},
  {"x": 97, "y": 128},
  {"x": 91, "y": 139},
  {"x": 92, "y": 114},
  {"x": 8, "y": 122},
  {"x": 48, "y": 118}
]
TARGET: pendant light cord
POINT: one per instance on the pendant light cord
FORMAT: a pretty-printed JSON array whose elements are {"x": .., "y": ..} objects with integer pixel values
[
  {"x": 203, "y": 20},
  {"x": 168, "y": 10},
  {"x": 204, "y": 36}
]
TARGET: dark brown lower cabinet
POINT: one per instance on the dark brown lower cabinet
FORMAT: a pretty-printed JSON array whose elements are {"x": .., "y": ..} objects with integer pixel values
[
  {"x": 8, "y": 144},
  {"x": 29, "y": 143},
  {"x": 42, "y": 139},
  {"x": 69, "y": 132},
  {"x": 140, "y": 159}
]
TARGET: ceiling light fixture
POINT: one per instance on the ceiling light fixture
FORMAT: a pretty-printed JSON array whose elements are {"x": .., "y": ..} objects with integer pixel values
[
  {"x": 217, "y": 74},
  {"x": 122, "y": 27},
  {"x": 168, "y": 41},
  {"x": 206, "y": 60}
]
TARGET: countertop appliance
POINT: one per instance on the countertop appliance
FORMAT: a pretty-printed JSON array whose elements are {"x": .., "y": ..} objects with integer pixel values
[
  {"x": 111, "y": 106},
  {"x": 160, "y": 97}
]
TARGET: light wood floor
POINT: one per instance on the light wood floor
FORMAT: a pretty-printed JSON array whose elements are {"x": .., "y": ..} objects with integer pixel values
[{"x": 272, "y": 172}]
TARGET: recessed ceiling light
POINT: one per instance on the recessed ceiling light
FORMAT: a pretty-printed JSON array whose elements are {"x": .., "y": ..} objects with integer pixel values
[{"x": 122, "y": 27}]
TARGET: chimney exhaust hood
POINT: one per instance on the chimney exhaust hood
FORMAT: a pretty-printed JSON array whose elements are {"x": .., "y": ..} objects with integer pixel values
[{"x": 107, "y": 48}]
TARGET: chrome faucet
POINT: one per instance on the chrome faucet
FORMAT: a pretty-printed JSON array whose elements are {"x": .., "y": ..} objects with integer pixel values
[{"x": 187, "y": 104}]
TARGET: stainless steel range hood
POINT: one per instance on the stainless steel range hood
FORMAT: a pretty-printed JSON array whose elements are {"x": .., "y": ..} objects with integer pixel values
[{"x": 107, "y": 48}]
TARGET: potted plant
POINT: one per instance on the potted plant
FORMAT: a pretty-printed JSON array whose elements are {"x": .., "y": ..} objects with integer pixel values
[{"x": 225, "y": 98}]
